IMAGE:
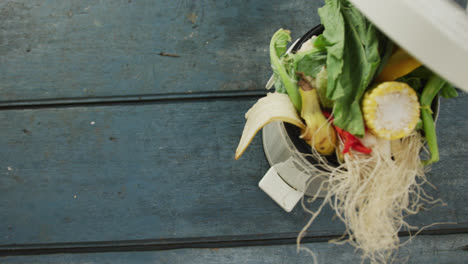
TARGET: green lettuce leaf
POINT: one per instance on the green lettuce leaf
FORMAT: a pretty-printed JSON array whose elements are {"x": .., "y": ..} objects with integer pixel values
[
  {"x": 416, "y": 79},
  {"x": 321, "y": 81},
  {"x": 353, "y": 58},
  {"x": 310, "y": 63}
]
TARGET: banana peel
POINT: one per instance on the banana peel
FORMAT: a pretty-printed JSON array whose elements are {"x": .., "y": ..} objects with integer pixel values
[{"x": 273, "y": 107}]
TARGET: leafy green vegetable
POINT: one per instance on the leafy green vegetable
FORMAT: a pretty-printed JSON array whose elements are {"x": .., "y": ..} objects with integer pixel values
[
  {"x": 333, "y": 40},
  {"x": 321, "y": 82},
  {"x": 310, "y": 62},
  {"x": 448, "y": 91},
  {"x": 285, "y": 79},
  {"x": 416, "y": 79},
  {"x": 353, "y": 58}
]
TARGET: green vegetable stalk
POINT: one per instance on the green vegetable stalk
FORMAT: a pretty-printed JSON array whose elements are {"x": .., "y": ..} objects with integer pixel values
[
  {"x": 429, "y": 130},
  {"x": 433, "y": 86},
  {"x": 278, "y": 46}
]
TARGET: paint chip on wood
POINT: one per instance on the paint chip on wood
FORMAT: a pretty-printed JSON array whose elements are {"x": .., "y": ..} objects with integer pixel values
[{"x": 192, "y": 17}]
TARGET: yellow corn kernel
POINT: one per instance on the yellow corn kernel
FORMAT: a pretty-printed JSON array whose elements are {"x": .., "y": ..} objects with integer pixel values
[{"x": 391, "y": 110}]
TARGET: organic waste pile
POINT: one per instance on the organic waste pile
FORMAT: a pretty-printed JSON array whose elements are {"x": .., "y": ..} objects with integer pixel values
[{"x": 358, "y": 96}]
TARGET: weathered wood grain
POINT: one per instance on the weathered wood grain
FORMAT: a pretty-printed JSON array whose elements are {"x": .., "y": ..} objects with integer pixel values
[
  {"x": 166, "y": 170},
  {"x": 67, "y": 49},
  {"x": 129, "y": 172},
  {"x": 423, "y": 249}
]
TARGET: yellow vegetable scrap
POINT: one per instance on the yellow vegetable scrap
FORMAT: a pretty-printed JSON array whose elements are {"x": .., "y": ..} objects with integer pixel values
[
  {"x": 319, "y": 133},
  {"x": 391, "y": 110},
  {"x": 273, "y": 107},
  {"x": 399, "y": 64}
]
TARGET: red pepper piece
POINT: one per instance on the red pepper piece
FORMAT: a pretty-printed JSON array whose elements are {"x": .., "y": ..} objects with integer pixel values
[
  {"x": 361, "y": 148},
  {"x": 350, "y": 141}
]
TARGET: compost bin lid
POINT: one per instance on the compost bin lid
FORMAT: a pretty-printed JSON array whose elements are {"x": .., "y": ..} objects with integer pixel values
[{"x": 434, "y": 31}]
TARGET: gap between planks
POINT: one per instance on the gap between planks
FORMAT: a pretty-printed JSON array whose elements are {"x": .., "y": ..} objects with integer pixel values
[
  {"x": 134, "y": 99},
  {"x": 197, "y": 242},
  {"x": 130, "y": 99}
]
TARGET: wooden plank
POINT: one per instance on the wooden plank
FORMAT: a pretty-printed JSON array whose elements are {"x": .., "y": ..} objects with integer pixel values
[
  {"x": 154, "y": 171},
  {"x": 166, "y": 170},
  {"x": 69, "y": 49},
  {"x": 422, "y": 249}
]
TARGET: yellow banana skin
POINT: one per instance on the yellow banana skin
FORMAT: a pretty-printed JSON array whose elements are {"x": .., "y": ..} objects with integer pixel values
[{"x": 319, "y": 133}]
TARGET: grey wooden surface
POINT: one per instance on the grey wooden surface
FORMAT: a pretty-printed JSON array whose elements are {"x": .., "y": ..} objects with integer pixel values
[{"x": 108, "y": 146}]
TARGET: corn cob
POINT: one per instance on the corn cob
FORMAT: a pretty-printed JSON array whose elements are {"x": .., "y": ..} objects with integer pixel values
[{"x": 391, "y": 110}]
